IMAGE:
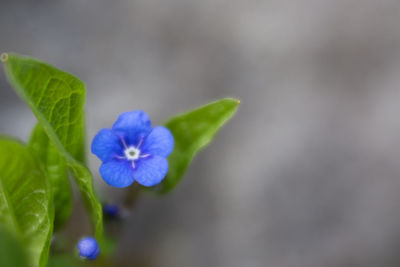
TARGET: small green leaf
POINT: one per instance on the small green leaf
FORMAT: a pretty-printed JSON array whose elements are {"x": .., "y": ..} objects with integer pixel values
[
  {"x": 193, "y": 131},
  {"x": 57, "y": 99},
  {"x": 11, "y": 252},
  {"x": 56, "y": 171},
  {"x": 26, "y": 198}
]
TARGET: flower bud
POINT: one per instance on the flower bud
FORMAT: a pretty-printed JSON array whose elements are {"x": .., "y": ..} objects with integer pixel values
[{"x": 88, "y": 248}]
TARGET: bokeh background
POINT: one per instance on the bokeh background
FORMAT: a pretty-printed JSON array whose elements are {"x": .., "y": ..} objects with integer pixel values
[{"x": 308, "y": 172}]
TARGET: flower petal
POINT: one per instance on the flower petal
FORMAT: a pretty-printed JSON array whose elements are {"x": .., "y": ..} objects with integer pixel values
[
  {"x": 118, "y": 173},
  {"x": 106, "y": 145},
  {"x": 150, "y": 171},
  {"x": 159, "y": 142},
  {"x": 132, "y": 125}
]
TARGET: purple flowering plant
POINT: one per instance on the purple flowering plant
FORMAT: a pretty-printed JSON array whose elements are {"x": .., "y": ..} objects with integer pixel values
[{"x": 35, "y": 191}]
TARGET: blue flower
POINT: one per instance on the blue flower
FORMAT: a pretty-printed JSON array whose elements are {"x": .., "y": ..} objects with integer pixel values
[
  {"x": 88, "y": 248},
  {"x": 133, "y": 151}
]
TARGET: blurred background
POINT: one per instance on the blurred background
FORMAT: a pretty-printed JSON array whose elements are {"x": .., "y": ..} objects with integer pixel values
[{"x": 308, "y": 172}]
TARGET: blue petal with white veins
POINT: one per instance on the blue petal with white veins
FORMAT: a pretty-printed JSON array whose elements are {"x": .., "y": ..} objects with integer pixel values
[
  {"x": 118, "y": 173},
  {"x": 150, "y": 171},
  {"x": 106, "y": 144},
  {"x": 132, "y": 126},
  {"x": 159, "y": 142}
]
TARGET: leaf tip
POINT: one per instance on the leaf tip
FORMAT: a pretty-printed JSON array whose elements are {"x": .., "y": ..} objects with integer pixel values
[
  {"x": 232, "y": 100},
  {"x": 4, "y": 57}
]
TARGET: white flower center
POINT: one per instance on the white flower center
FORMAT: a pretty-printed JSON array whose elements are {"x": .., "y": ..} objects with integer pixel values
[{"x": 132, "y": 153}]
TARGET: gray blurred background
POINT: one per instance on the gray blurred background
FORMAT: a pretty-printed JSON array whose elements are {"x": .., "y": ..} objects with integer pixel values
[{"x": 308, "y": 172}]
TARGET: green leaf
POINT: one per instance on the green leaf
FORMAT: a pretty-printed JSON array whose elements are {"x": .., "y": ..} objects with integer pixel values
[
  {"x": 26, "y": 198},
  {"x": 11, "y": 252},
  {"x": 193, "y": 131},
  {"x": 57, "y": 99},
  {"x": 56, "y": 171}
]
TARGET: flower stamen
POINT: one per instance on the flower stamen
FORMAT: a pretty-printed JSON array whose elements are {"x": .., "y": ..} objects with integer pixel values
[
  {"x": 140, "y": 142},
  {"x": 132, "y": 153},
  {"x": 123, "y": 142}
]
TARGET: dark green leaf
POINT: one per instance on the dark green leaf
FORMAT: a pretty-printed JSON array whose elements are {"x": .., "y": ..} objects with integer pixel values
[
  {"x": 193, "y": 131},
  {"x": 25, "y": 199},
  {"x": 11, "y": 252},
  {"x": 57, "y": 100},
  {"x": 56, "y": 171}
]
